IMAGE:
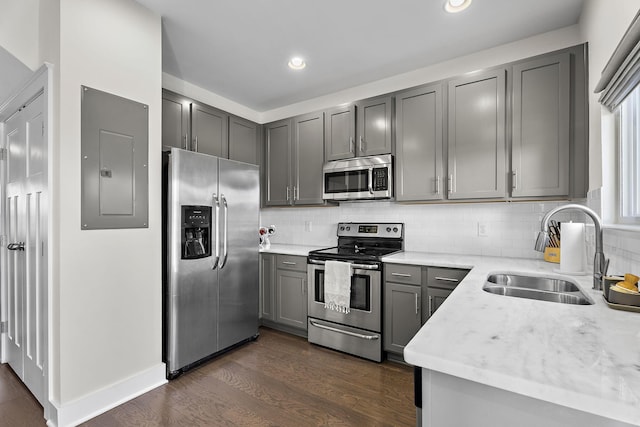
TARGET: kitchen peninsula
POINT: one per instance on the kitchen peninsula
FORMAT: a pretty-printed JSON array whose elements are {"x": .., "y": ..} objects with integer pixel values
[{"x": 516, "y": 361}]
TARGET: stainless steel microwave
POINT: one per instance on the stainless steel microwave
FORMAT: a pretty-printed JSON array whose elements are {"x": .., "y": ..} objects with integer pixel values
[{"x": 360, "y": 178}]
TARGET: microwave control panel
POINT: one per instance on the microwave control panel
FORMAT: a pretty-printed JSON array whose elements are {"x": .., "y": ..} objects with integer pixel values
[{"x": 380, "y": 179}]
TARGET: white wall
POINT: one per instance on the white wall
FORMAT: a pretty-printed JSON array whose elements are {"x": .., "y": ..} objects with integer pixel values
[
  {"x": 109, "y": 281},
  {"x": 19, "y": 30}
]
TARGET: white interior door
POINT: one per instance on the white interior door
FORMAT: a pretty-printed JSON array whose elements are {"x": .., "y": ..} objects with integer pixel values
[{"x": 26, "y": 243}]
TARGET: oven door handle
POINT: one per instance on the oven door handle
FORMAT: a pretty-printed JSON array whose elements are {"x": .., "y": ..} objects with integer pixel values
[
  {"x": 354, "y": 266},
  {"x": 352, "y": 334}
]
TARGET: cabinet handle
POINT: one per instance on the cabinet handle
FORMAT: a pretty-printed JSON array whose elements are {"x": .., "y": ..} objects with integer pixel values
[
  {"x": 430, "y": 305},
  {"x": 400, "y": 274},
  {"x": 296, "y": 193},
  {"x": 287, "y": 193},
  {"x": 438, "y": 184},
  {"x": 288, "y": 263},
  {"x": 447, "y": 279},
  {"x": 352, "y": 147},
  {"x": 450, "y": 185},
  {"x": 362, "y": 143},
  {"x": 195, "y": 148},
  {"x": 185, "y": 142},
  {"x": 514, "y": 179},
  {"x": 416, "y": 295}
]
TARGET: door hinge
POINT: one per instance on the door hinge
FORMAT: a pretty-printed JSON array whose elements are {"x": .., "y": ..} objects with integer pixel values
[
  {"x": 3, "y": 154},
  {"x": 4, "y": 327}
]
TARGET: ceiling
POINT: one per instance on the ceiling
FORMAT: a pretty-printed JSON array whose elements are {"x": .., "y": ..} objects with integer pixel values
[{"x": 239, "y": 49}]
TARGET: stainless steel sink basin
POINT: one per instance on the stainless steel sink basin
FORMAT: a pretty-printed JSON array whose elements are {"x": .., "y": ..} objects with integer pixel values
[
  {"x": 533, "y": 282},
  {"x": 535, "y": 287}
]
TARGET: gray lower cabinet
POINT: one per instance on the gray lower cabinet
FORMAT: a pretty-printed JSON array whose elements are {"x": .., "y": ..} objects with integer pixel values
[
  {"x": 267, "y": 286},
  {"x": 419, "y": 144},
  {"x": 412, "y": 293},
  {"x": 284, "y": 292},
  {"x": 294, "y": 157},
  {"x": 403, "y": 315},
  {"x": 244, "y": 140},
  {"x": 541, "y": 127},
  {"x": 476, "y": 139},
  {"x": 360, "y": 129}
]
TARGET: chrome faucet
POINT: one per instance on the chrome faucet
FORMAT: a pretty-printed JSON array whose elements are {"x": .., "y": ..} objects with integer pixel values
[{"x": 600, "y": 265}]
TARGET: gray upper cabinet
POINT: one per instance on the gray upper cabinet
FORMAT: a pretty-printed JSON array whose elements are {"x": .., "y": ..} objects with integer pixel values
[
  {"x": 374, "y": 126},
  {"x": 244, "y": 137},
  {"x": 541, "y": 127},
  {"x": 340, "y": 133},
  {"x": 371, "y": 136},
  {"x": 419, "y": 144},
  {"x": 194, "y": 126},
  {"x": 277, "y": 163},
  {"x": 293, "y": 161},
  {"x": 209, "y": 130},
  {"x": 476, "y": 140},
  {"x": 175, "y": 120},
  {"x": 308, "y": 142}
]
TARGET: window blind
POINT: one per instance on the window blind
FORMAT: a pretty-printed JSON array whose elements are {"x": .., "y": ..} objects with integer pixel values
[{"x": 622, "y": 73}]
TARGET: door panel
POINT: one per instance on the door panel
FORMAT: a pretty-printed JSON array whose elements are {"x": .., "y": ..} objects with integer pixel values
[
  {"x": 374, "y": 126},
  {"x": 26, "y": 223},
  {"x": 209, "y": 129},
  {"x": 239, "y": 269},
  {"x": 340, "y": 133},
  {"x": 309, "y": 154}
]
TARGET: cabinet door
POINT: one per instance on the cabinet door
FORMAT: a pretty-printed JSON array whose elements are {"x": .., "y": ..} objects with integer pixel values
[
  {"x": 477, "y": 153},
  {"x": 402, "y": 315},
  {"x": 209, "y": 131},
  {"x": 435, "y": 298},
  {"x": 175, "y": 120},
  {"x": 309, "y": 158},
  {"x": 277, "y": 163},
  {"x": 541, "y": 122},
  {"x": 267, "y": 286},
  {"x": 243, "y": 140},
  {"x": 374, "y": 126},
  {"x": 291, "y": 304},
  {"x": 340, "y": 133},
  {"x": 419, "y": 159}
]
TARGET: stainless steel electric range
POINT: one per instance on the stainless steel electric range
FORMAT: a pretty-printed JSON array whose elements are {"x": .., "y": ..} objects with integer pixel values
[{"x": 360, "y": 331}]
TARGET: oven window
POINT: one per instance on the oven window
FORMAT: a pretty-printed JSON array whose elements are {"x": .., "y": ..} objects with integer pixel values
[
  {"x": 346, "y": 182},
  {"x": 360, "y": 290}
]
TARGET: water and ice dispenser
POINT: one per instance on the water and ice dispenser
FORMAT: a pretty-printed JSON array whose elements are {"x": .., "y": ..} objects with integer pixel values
[{"x": 196, "y": 232}]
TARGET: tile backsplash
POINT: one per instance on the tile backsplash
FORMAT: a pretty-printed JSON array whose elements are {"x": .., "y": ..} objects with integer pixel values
[{"x": 509, "y": 229}]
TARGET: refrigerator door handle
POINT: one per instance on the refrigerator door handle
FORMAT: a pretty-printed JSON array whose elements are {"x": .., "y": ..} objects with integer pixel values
[
  {"x": 226, "y": 229},
  {"x": 217, "y": 209}
]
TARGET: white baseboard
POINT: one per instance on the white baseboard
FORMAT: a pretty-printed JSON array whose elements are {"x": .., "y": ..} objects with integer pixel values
[{"x": 94, "y": 404}]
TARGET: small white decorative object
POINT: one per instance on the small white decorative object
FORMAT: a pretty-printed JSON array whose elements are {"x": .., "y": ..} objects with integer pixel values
[{"x": 265, "y": 233}]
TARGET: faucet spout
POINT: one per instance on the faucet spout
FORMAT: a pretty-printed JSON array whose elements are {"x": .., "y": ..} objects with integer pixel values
[{"x": 599, "y": 263}]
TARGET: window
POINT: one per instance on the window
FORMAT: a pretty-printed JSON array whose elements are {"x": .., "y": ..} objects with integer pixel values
[{"x": 628, "y": 115}]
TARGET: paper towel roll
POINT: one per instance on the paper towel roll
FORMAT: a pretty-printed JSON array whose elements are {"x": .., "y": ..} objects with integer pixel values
[{"x": 572, "y": 248}]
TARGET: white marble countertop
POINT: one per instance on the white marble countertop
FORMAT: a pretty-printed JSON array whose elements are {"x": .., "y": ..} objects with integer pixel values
[
  {"x": 585, "y": 357},
  {"x": 287, "y": 249}
]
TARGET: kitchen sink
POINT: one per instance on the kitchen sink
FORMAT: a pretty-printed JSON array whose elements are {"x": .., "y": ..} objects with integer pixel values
[
  {"x": 536, "y": 287},
  {"x": 533, "y": 282}
]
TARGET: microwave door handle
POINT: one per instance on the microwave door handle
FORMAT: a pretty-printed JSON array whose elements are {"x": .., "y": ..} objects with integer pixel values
[{"x": 371, "y": 180}]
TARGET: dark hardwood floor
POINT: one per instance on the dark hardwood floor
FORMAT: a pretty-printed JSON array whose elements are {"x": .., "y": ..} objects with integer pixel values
[{"x": 279, "y": 380}]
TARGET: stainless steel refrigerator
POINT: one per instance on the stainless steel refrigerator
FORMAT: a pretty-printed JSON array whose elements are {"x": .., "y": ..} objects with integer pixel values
[{"x": 210, "y": 279}]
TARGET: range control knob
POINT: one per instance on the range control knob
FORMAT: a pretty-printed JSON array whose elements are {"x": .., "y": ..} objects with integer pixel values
[
  {"x": 348, "y": 228},
  {"x": 395, "y": 229},
  {"x": 342, "y": 228},
  {"x": 388, "y": 229}
]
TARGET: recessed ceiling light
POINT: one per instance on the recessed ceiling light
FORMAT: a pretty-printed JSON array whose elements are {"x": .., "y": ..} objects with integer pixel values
[
  {"x": 297, "y": 63},
  {"x": 455, "y": 6}
]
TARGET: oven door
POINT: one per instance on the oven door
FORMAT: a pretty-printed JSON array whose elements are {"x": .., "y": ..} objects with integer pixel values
[{"x": 366, "y": 295}]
